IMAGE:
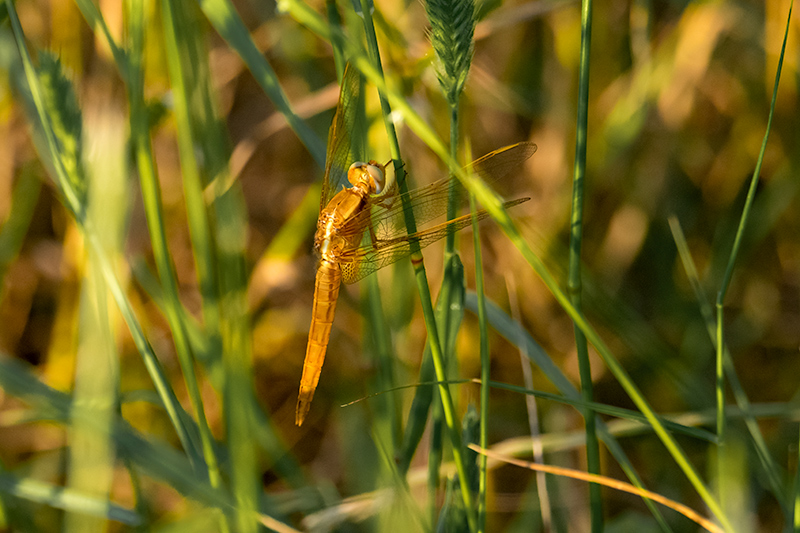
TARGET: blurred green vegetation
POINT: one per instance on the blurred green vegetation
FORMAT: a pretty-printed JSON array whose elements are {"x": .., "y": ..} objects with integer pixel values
[{"x": 160, "y": 187}]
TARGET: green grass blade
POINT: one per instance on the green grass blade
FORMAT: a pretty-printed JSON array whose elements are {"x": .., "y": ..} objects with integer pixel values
[
  {"x": 387, "y": 419},
  {"x": 229, "y": 25},
  {"x": 421, "y": 277},
  {"x": 67, "y": 499},
  {"x": 334, "y": 19},
  {"x": 770, "y": 468},
  {"x": 92, "y": 450},
  {"x": 72, "y": 202},
  {"x": 575, "y": 278},
  {"x": 157, "y": 460},
  {"x": 744, "y": 219},
  {"x": 725, "y": 283},
  {"x": 516, "y": 334},
  {"x": 238, "y": 398},
  {"x": 617, "y": 412},
  {"x": 483, "y": 329},
  {"x": 154, "y": 212},
  {"x": 451, "y": 296},
  {"x": 196, "y": 126}
]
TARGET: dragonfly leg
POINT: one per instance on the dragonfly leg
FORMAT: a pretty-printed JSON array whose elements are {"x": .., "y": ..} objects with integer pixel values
[{"x": 372, "y": 237}]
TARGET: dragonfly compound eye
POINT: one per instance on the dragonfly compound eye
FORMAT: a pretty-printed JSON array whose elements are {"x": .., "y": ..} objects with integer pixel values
[{"x": 370, "y": 173}]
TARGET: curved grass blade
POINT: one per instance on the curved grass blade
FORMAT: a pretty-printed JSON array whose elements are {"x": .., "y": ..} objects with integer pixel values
[
  {"x": 229, "y": 24},
  {"x": 173, "y": 407}
]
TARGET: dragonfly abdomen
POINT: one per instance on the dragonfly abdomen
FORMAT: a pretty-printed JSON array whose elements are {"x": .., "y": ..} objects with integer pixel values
[{"x": 326, "y": 292}]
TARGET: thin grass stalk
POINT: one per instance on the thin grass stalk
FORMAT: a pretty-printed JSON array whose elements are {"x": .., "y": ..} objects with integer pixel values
[
  {"x": 151, "y": 198},
  {"x": 387, "y": 409},
  {"x": 424, "y": 395},
  {"x": 485, "y": 366},
  {"x": 442, "y": 317},
  {"x": 452, "y": 29},
  {"x": 771, "y": 469},
  {"x": 175, "y": 19},
  {"x": 719, "y": 388},
  {"x": 493, "y": 204},
  {"x": 435, "y": 454},
  {"x": 737, "y": 242},
  {"x": 517, "y": 335},
  {"x": 451, "y": 32},
  {"x": 454, "y": 193},
  {"x": 574, "y": 282},
  {"x": 426, "y": 402},
  {"x": 545, "y": 508},
  {"x": 62, "y": 181},
  {"x": 186, "y": 78},
  {"x": 422, "y": 280}
]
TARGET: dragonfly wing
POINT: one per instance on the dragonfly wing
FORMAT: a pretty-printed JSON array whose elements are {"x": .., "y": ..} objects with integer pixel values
[
  {"x": 499, "y": 164},
  {"x": 365, "y": 260},
  {"x": 340, "y": 151},
  {"x": 386, "y": 216}
]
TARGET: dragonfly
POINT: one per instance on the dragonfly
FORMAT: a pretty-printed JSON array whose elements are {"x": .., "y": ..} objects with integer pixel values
[{"x": 361, "y": 222}]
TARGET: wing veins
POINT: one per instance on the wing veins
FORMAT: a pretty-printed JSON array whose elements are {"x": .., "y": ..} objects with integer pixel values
[
  {"x": 363, "y": 261},
  {"x": 339, "y": 149}
]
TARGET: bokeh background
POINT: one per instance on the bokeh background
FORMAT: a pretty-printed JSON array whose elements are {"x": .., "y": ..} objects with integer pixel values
[{"x": 678, "y": 107}]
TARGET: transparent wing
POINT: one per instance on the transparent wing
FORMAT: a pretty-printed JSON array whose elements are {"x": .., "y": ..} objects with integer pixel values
[
  {"x": 363, "y": 261},
  {"x": 339, "y": 156},
  {"x": 384, "y": 224},
  {"x": 386, "y": 215}
]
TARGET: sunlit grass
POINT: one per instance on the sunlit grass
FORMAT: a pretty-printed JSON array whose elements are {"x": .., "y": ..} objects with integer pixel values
[{"x": 161, "y": 299}]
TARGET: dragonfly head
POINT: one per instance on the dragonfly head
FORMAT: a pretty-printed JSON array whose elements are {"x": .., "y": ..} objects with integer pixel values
[{"x": 372, "y": 175}]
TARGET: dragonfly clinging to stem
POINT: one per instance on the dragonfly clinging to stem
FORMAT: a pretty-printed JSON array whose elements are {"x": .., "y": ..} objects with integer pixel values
[{"x": 371, "y": 207}]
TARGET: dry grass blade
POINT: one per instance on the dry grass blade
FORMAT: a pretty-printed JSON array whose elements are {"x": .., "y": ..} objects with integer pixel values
[{"x": 689, "y": 513}]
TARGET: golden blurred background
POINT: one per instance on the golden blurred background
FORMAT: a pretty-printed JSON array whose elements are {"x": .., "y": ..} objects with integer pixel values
[{"x": 678, "y": 106}]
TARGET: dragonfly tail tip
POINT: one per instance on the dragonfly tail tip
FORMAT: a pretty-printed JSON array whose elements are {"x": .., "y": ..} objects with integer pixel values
[{"x": 301, "y": 412}]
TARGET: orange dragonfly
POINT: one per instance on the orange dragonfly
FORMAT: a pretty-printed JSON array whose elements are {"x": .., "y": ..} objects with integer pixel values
[{"x": 371, "y": 207}]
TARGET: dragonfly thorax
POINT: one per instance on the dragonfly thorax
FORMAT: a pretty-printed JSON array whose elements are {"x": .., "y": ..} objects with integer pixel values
[{"x": 332, "y": 237}]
